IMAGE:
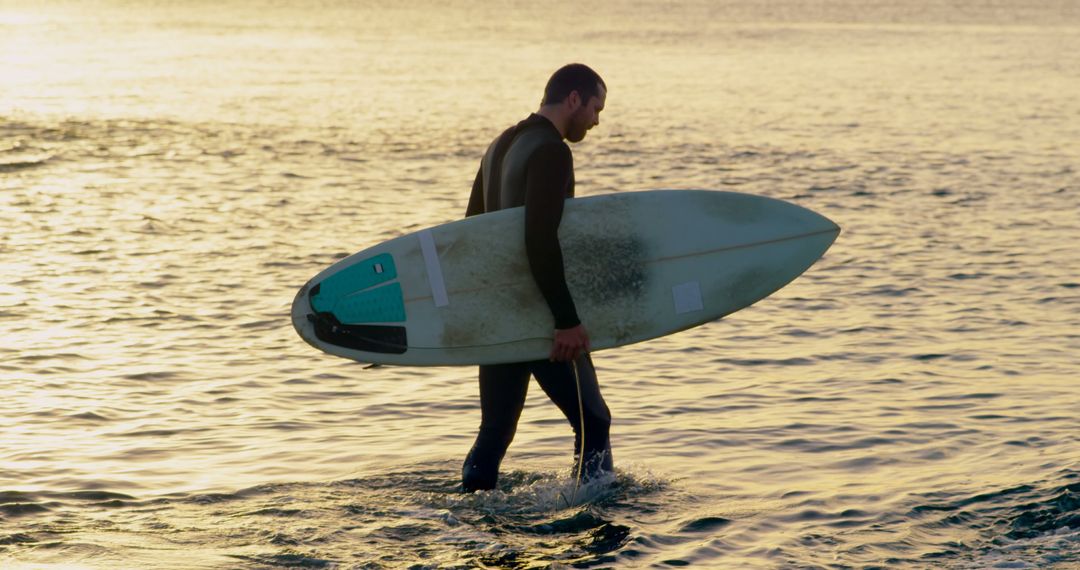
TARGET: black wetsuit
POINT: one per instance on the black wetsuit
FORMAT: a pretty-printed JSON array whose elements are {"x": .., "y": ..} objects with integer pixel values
[{"x": 530, "y": 165}]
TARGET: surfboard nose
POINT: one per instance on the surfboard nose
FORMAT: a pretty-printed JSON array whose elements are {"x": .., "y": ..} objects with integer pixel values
[
  {"x": 819, "y": 229},
  {"x": 835, "y": 227},
  {"x": 829, "y": 225},
  {"x": 812, "y": 222}
]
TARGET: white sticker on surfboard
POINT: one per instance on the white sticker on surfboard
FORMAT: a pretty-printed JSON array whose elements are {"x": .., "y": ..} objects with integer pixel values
[
  {"x": 434, "y": 269},
  {"x": 687, "y": 297}
]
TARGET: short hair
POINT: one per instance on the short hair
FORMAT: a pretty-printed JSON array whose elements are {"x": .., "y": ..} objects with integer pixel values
[{"x": 573, "y": 77}]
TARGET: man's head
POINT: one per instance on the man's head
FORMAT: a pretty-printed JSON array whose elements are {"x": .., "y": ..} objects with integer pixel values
[{"x": 576, "y": 95}]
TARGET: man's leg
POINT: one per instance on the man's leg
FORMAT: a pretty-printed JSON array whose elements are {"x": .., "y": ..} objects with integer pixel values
[
  {"x": 502, "y": 395},
  {"x": 557, "y": 380}
]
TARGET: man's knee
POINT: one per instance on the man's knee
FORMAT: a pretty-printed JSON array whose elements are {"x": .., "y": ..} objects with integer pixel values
[{"x": 598, "y": 418}]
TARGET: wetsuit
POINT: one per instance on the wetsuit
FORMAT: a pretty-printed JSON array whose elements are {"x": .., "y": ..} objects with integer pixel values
[{"x": 530, "y": 165}]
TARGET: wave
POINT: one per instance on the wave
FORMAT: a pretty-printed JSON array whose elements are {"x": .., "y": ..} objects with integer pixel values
[
  {"x": 1023, "y": 526},
  {"x": 23, "y": 163},
  {"x": 415, "y": 517}
]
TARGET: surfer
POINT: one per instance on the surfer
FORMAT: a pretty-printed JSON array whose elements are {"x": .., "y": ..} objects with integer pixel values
[{"x": 529, "y": 165}]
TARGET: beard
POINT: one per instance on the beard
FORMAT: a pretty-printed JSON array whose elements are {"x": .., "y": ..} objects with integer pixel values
[{"x": 577, "y": 128}]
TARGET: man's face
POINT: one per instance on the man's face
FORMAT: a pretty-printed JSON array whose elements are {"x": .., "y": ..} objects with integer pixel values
[{"x": 586, "y": 117}]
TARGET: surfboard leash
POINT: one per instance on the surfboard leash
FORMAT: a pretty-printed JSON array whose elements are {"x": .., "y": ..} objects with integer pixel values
[
  {"x": 581, "y": 431},
  {"x": 581, "y": 449}
]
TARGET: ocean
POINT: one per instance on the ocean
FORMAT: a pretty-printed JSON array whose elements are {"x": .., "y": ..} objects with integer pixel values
[{"x": 172, "y": 172}]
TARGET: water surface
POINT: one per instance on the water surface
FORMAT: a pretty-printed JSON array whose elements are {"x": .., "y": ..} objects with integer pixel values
[{"x": 171, "y": 174}]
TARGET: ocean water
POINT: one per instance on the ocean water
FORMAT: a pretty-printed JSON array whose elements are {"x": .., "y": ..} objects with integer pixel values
[{"x": 171, "y": 173}]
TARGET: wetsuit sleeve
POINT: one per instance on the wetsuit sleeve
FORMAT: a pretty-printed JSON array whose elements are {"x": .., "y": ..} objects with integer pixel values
[
  {"x": 547, "y": 179},
  {"x": 476, "y": 199}
]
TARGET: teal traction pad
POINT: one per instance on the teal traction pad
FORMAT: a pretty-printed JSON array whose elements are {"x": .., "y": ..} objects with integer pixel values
[{"x": 351, "y": 296}]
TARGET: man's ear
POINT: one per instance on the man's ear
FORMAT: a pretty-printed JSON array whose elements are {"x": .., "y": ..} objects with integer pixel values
[{"x": 574, "y": 99}]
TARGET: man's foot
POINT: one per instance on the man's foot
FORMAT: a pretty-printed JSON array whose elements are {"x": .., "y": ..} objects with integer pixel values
[{"x": 474, "y": 478}]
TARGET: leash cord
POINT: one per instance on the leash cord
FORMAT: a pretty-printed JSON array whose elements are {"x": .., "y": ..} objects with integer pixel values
[{"x": 581, "y": 429}]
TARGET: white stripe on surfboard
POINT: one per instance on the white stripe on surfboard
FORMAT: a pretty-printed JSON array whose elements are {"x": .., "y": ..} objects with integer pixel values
[{"x": 434, "y": 270}]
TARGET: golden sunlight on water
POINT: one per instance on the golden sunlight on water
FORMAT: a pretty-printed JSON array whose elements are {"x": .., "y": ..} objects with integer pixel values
[{"x": 170, "y": 174}]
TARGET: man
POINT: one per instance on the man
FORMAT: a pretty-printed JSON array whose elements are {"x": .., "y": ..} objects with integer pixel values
[{"x": 529, "y": 165}]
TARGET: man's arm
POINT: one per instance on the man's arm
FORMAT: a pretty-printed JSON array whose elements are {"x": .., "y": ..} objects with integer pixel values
[
  {"x": 547, "y": 181},
  {"x": 476, "y": 199}
]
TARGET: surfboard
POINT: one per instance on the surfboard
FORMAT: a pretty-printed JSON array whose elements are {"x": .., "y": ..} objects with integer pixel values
[{"x": 639, "y": 265}]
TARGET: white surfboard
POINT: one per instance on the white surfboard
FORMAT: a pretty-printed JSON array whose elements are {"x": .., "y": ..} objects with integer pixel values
[{"x": 639, "y": 265}]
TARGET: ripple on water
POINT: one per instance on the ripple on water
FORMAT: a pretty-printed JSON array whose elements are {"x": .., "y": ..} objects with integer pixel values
[
  {"x": 406, "y": 517},
  {"x": 1027, "y": 526},
  {"x": 149, "y": 263}
]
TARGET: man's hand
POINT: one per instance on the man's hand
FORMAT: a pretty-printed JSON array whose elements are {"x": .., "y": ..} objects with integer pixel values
[{"x": 569, "y": 344}]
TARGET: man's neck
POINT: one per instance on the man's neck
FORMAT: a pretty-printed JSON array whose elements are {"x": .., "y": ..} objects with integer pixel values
[{"x": 556, "y": 117}]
